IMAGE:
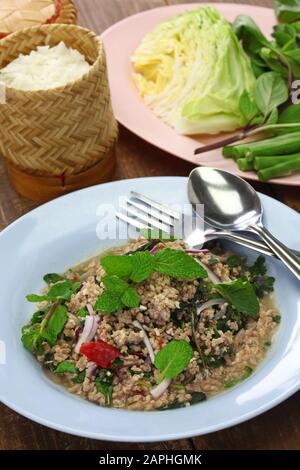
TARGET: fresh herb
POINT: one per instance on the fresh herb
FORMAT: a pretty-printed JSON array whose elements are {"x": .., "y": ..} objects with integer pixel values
[
  {"x": 82, "y": 312},
  {"x": 262, "y": 283},
  {"x": 119, "y": 294},
  {"x": 64, "y": 367},
  {"x": 277, "y": 319},
  {"x": 234, "y": 261},
  {"x": 173, "y": 358},
  {"x": 259, "y": 267},
  {"x": 197, "y": 397},
  {"x": 178, "y": 264},
  {"x": 52, "y": 278},
  {"x": 32, "y": 339},
  {"x": 142, "y": 266},
  {"x": 79, "y": 379},
  {"x": 120, "y": 266},
  {"x": 232, "y": 382},
  {"x": 241, "y": 294},
  {"x": 287, "y": 11},
  {"x": 39, "y": 315},
  {"x": 117, "y": 362},
  {"x": 62, "y": 290},
  {"x": 55, "y": 324},
  {"x": 104, "y": 385}
]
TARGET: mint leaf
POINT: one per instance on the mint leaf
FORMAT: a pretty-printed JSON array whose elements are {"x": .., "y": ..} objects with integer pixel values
[
  {"x": 130, "y": 298},
  {"x": 142, "y": 266},
  {"x": 36, "y": 298},
  {"x": 31, "y": 338},
  {"x": 259, "y": 267},
  {"x": 119, "y": 265},
  {"x": 109, "y": 302},
  {"x": 66, "y": 366},
  {"x": 61, "y": 290},
  {"x": 234, "y": 261},
  {"x": 178, "y": 264},
  {"x": 241, "y": 295},
  {"x": 114, "y": 284},
  {"x": 52, "y": 278},
  {"x": 173, "y": 358},
  {"x": 82, "y": 312},
  {"x": 56, "y": 324}
]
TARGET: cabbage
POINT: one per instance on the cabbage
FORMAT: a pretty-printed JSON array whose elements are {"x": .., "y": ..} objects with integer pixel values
[{"x": 191, "y": 70}]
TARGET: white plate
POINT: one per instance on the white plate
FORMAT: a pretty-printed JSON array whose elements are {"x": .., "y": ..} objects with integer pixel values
[{"x": 60, "y": 234}]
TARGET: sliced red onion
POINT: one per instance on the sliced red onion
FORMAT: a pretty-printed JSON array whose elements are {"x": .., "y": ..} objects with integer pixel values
[
  {"x": 78, "y": 331},
  {"x": 89, "y": 331},
  {"x": 154, "y": 249},
  {"x": 91, "y": 370},
  {"x": 193, "y": 251},
  {"x": 90, "y": 309},
  {"x": 159, "y": 389},
  {"x": 210, "y": 303},
  {"x": 212, "y": 276},
  {"x": 146, "y": 340}
]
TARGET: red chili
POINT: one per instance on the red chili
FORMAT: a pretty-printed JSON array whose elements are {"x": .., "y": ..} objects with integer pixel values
[
  {"x": 100, "y": 352},
  {"x": 160, "y": 343}
]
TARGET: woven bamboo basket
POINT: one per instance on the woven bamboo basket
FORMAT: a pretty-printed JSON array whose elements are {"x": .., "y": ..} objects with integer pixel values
[
  {"x": 66, "y": 134},
  {"x": 19, "y": 14}
]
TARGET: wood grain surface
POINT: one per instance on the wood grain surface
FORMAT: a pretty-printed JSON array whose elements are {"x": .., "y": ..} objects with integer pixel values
[{"x": 276, "y": 429}]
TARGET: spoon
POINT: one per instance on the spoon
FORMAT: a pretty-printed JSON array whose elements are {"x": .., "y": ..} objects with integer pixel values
[{"x": 232, "y": 204}]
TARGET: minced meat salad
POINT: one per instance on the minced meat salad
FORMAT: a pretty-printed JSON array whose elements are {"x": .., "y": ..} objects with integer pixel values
[{"x": 153, "y": 325}]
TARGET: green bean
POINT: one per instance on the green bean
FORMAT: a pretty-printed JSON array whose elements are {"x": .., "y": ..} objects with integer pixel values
[
  {"x": 262, "y": 162},
  {"x": 244, "y": 165},
  {"x": 280, "y": 145},
  {"x": 282, "y": 169}
]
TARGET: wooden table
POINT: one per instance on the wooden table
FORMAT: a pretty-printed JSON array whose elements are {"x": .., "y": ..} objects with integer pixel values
[{"x": 276, "y": 429}]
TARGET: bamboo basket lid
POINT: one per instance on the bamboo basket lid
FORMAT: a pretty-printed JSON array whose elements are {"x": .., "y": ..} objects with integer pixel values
[{"x": 19, "y": 14}]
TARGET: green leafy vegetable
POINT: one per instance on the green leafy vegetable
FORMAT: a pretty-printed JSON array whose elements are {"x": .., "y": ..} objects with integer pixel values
[
  {"x": 104, "y": 385},
  {"x": 173, "y": 358},
  {"x": 119, "y": 294},
  {"x": 109, "y": 302},
  {"x": 82, "y": 312},
  {"x": 56, "y": 324},
  {"x": 79, "y": 379},
  {"x": 247, "y": 106},
  {"x": 178, "y": 264},
  {"x": 270, "y": 91},
  {"x": 196, "y": 47},
  {"x": 130, "y": 298},
  {"x": 61, "y": 290},
  {"x": 31, "y": 338},
  {"x": 52, "y": 278},
  {"x": 66, "y": 366},
  {"x": 118, "y": 265},
  {"x": 142, "y": 266},
  {"x": 287, "y": 11},
  {"x": 241, "y": 295},
  {"x": 234, "y": 261}
]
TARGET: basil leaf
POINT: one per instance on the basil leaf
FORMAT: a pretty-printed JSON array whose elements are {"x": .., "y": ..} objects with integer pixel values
[
  {"x": 290, "y": 115},
  {"x": 64, "y": 367},
  {"x": 249, "y": 33},
  {"x": 270, "y": 91},
  {"x": 287, "y": 11},
  {"x": 241, "y": 295},
  {"x": 173, "y": 358},
  {"x": 247, "y": 106},
  {"x": 52, "y": 278}
]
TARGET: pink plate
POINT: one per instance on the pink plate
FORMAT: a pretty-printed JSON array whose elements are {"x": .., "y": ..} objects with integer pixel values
[{"x": 120, "y": 42}]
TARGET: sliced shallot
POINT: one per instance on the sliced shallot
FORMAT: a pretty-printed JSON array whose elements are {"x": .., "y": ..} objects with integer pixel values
[
  {"x": 89, "y": 331},
  {"x": 212, "y": 276},
  {"x": 210, "y": 303},
  {"x": 146, "y": 340},
  {"x": 159, "y": 389},
  {"x": 90, "y": 309},
  {"x": 193, "y": 251},
  {"x": 91, "y": 369}
]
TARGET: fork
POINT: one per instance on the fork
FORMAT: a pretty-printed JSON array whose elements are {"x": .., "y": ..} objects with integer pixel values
[{"x": 147, "y": 213}]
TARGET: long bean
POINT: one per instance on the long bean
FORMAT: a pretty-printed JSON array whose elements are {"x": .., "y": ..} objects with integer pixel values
[
  {"x": 282, "y": 169},
  {"x": 244, "y": 165},
  {"x": 262, "y": 162},
  {"x": 280, "y": 145}
]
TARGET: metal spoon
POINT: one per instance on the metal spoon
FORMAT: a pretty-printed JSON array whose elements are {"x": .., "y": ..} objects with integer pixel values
[{"x": 232, "y": 204}]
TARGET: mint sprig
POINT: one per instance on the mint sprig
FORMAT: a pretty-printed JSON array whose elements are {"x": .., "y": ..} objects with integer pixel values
[
  {"x": 118, "y": 295},
  {"x": 241, "y": 295},
  {"x": 178, "y": 264},
  {"x": 173, "y": 358}
]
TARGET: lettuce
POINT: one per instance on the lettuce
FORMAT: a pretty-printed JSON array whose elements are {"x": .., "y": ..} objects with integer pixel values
[{"x": 191, "y": 70}]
